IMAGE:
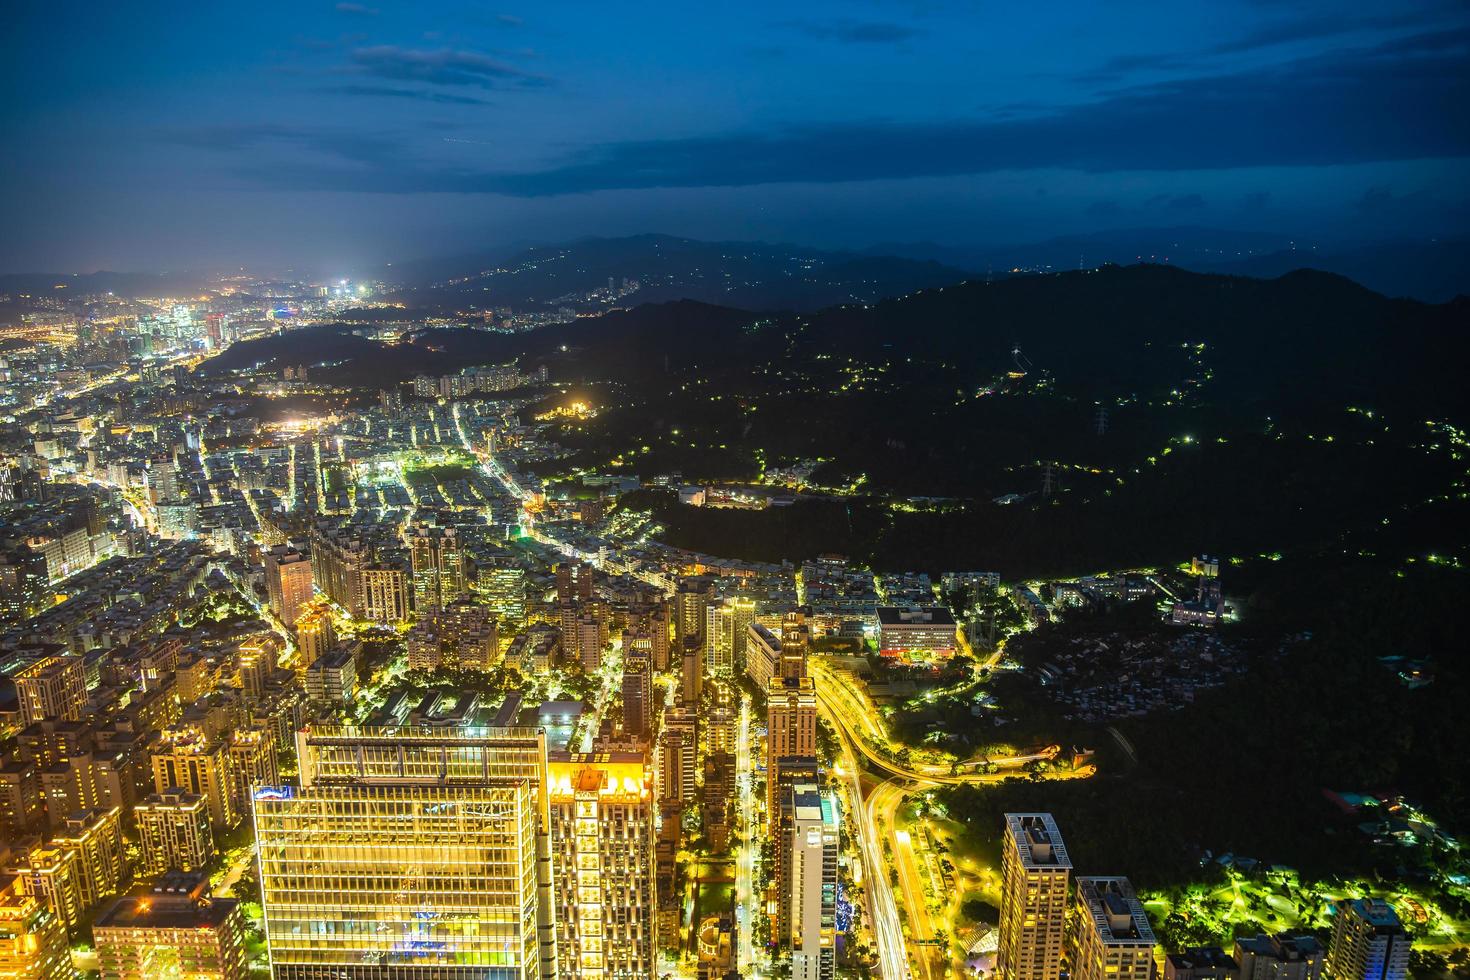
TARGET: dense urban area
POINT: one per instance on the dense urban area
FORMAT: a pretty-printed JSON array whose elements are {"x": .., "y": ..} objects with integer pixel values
[{"x": 569, "y": 640}]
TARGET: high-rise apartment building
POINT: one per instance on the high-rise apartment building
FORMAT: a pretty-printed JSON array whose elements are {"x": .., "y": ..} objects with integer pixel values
[
  {"x": 437, "y": 559},
  {"x": 52, "y": 687},
  {"x": 1035, "y": 871},
  {"x": 678, "y": 755},
  {"x": 190, "y": 760},
  {"x": 602, "y": 841},
  {"x": 1111, "y": 938},
  {"x": 791, "y": 733},
  {"x": 33, "y": 942},
  {"x": 288, "y": 582},
  {"x": 425, "y": 852},
  {"x": 461, "y": 635},
  {"x": 1368, "y": 942},
  {"x": 725, "y": 626},
  {"x": 691, "y": 676},
  {"x": 812, "y": 895},
  {"x": 315, "y": 634},
  {"x": 384, "y": 592},
  {"x": 174, "y": 832},
  {"x": 637, "y": 687},
  {"x": 691, "y": 600}
]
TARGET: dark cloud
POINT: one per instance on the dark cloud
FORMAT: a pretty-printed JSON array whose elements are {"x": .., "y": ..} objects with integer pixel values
[
  {"x": 1184, "y": 202},
  {"x": 374, "y": 150},
  {"x": 444, "y": 66},
  {"x": 1257, "y": 200},
  {"x": 357, "y": 8},
  {"x": 1404, "y": 100},
  {"x": 853, "y": 31},
  {"x": 1103, "y": 209},
  {"x": 388, "y": 92}
]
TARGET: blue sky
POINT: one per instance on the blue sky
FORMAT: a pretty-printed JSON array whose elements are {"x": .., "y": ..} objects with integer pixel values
[{"x": 331, "y": 135}]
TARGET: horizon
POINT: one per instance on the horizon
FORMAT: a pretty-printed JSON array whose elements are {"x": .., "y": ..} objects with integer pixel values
[{"x": 336, "y": 135}]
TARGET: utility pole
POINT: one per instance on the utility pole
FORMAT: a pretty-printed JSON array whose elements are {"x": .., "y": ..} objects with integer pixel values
[
  {"x": 1100, "y": 420},
  {"x": 1048, "y": 484}
]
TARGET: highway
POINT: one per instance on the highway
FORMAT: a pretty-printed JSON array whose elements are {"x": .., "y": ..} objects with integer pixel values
[{"x": 882, "y": 909}]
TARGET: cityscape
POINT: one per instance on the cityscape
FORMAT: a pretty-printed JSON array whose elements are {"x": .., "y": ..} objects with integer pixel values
[{"x": 415, "y": 567}]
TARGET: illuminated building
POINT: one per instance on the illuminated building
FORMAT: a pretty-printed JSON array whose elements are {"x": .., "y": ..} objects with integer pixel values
[
  {"x": 1035, "y": 871},
  {"x": 725, "y": 630},
  {"x": 590, "y": 636},
  {"x": 287, "y": 582},
  {"x": 174, "y": 832},
  {"x": 438, "y": 567},
  {"x": 812, "y": 883},
  {"x": 637, "y": 687},
  {"x": 1111, "y": 938},
  {"x": 410, "y": 853},
  {"x": 255, "y": 662},
  {"x": 253, "y": 762},
  {"x": 171, "y": 934},
  {"x": 916, "y": 634},
  {"x": 460, "y": 635},
  {"x": 602, "y": 837},
  {"x": 54, "y": 875},
  {"x": 22, "y": 806},
  {"x": 677, "y": 755},
  {"x": 796, "y": 772},
  {"x": 32, "y": 937},
  {"x": 1279, "y": 957},
  {"x": 332, "y": 679},
  {"x": 52, "y": 687},
  {"x": 691, "y": 600},
  {"x": 384, "y": 592},
  {"x": 96, "y": 837},
  {"x": 1368, "y": 942},
  {"x": 791, "y": 732},
  {"x": 762, "y": 654},
  {"x": 503, "y": 591},
  {"x": 691, "y": 677},
  {"x": 188, "y": 760},
  {"x": 315, "y": 634},
  {"x": 574, "y": 581}
]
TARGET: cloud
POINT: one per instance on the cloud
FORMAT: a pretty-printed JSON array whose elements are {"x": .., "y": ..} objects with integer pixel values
[
  {"x": 1184, "y": 202},
  {"x": 386, "y": 91},
  {"x": 510, "y": 20},
  {"x": 372, "y": 149},
  {"x": 853, "y": 31},
  {"x": 444, "y": 66},
  {"x": 357, "y": 8},
  {"x": 1408, "y": 99},
  {"x": 1257, "y": 200}
]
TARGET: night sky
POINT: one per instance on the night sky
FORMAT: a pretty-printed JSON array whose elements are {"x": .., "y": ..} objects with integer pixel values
[{"x": 168, "y": 136}]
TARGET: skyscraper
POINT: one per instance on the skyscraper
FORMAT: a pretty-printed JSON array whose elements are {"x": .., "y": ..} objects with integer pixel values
[
  {"x": 637, "y": 687},
  {"x": 1035, "y": 871},
  {"x": 425, "y": 852},
  {"x": 1368, "y": 942},
  {"x": 1111, "y": 937},
  {"x": 602, "y": 836},
  {"x": 812, "y": 895},
  {"x": 288, "y": 581},
  {"x": 791, "y": 733},
  {"x": 438, "y": 567},
  {"x": 690, "y": 602}
]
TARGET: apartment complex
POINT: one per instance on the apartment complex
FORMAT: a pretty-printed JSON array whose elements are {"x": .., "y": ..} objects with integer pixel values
[{"x": 1035, "y": 872}]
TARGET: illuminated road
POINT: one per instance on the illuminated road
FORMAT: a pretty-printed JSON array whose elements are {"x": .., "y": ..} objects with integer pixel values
[
  {"x": 748, "y": 847},
  {"x": 852, "y": 711},
  {"x": 882, "y": 909}
]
